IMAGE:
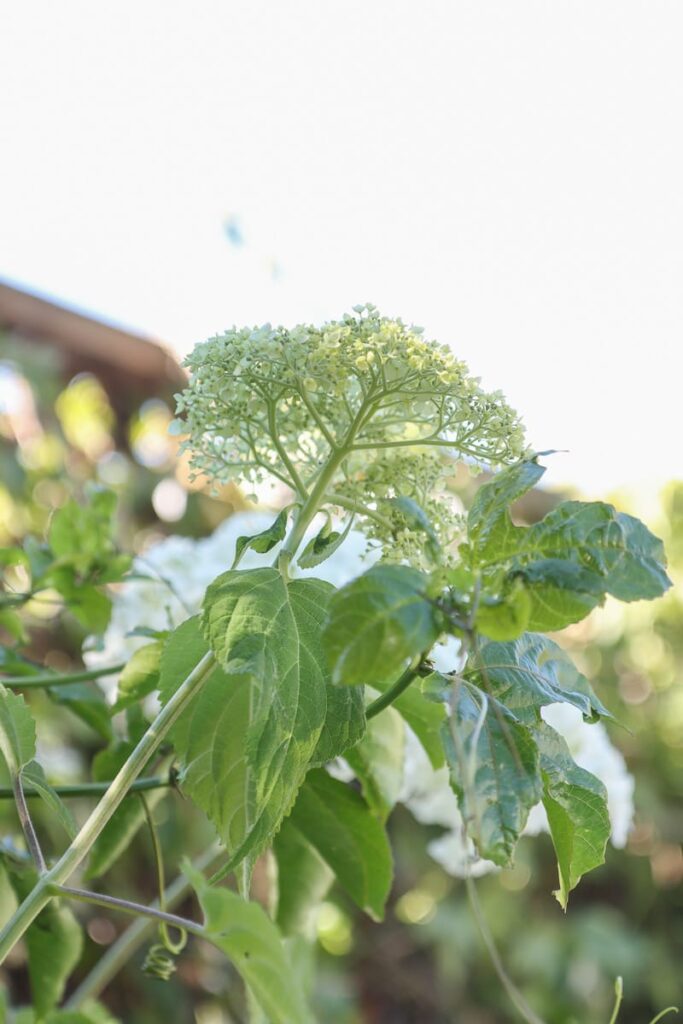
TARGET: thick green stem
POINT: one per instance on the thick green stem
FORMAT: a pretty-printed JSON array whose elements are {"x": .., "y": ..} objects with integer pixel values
[
  {"x": 119, "y": 788},
  {"x": 91, "y": 788},
  {"x": 120, "y": 952},
  {"x": 309, "y": 508},
  {"x": 84, "y": 676}
]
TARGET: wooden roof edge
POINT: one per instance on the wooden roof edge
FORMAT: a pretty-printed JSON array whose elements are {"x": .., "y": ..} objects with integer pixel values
[{"x": 42, "y": 320}]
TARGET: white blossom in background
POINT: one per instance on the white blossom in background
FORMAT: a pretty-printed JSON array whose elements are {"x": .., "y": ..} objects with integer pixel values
[{"x": 184, "y": 567}]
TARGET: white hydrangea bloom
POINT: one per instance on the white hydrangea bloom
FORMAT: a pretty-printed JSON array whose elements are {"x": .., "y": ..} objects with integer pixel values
[{"x": 185, "y": 567}]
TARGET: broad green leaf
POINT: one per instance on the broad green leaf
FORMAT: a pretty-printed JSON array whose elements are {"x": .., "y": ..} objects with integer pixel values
[
  {"x": 568, "y": 561},
  {"x": 337, "y": 822},
  {"x": 84, "y": 530},
  {"x": 324, "y": 544},
  {"x": 244, "y": 932},
  {"x": 140, "y": 676},
  {"x": 378, "y": 623},
  {"x": 344, "y": 720},
  {"x": 576, "y": 805},
  {"x": 495, "y": 772},
  {"x": 33, "y": 777},
  {"x": 504, "y": 617},
  {"x": 425, "y": 718},
  {"x": 17, "y": 730},
  {"x": 528, "y": 673},
  {"x": 246, "y": 741},
  {"x": 303, "y": 880},
  {"x": 377, "y": 761},
  {"x": 54, "y": 942},
  {"x": 264, "y": 541},
  {"x": 87, "y": 702},
  {"x": 128, "y": 818}
]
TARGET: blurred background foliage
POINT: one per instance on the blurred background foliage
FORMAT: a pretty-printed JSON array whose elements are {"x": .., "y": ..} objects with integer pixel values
[{"x": 426, "y": 962}]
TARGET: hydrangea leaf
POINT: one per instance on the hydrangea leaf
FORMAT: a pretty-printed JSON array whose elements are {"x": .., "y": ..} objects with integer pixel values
[
  {"x": 33, "y": 777},
  {"x": 54, "y": 942},
  {"x": 17, "y": 730},
  {"x": 87, "y": 702},
  {"x": 324, "y": 544},
  {"x": 303, "y": 880},
  {"x": 377, "y": 761},
  {"x": 571, "y": 559},
  {"x": 264, "y": 541},
  {"x": 140, "y": 676},
  {"x": 576, "y": 806},
  {"x": 378, "y": 623},
  {"x": 337, "y": 822},
  {"x": 244, "y": 932},
  {"x": 246, "y": 741},
  {"x": 528, "y": 673},
  {"x": 495, "y": 773}
]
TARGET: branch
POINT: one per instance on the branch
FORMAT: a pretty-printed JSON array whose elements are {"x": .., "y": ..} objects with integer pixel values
[
  {"x": 127, "y": 907},
  {"x": 92, "y": 788},
  {"x": 27, "y": 825},
  {"x": 48, "y": 679}
]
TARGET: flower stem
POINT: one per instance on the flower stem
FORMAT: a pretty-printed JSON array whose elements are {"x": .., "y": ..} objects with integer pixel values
[
  {"x": 91, "y": 788},
  {"x": 390, "y": 695},
  {"x": 27, "y": 825},
  {"x": 50, "y": 679},
  {"x": 79, "y": 848}
]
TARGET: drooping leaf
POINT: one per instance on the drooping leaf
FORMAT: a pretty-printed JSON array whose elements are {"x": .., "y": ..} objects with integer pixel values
[
  {"x": 528, "y": 673},
  {"x": 506, "y": 616},
  {"x": 495, "y": 773},
  {"x": 87, "y": 702},
  {"x": 377, "y": 761},
  {"x": 337, "y": 822},
  {"x": 246, "y": 741},
  {"x": 264, "y": 541},
  {"x": 378, "y": 623},
  {"x": 568, "y": 561},
  {"x": 324, "y": 544},
  {"x": 245, "y": 933},
  {"x": 576, "y": 806},
  {"x": 128, "y": 818},
  {"x": 17, "y": 730},
  {"x": 54, "y": 942},
  {"x": 303, "y": 880},
  {"x": 345, "y": 721},
  {"x": 33, "y": 777},
  {"x": 140, "y": 676}
]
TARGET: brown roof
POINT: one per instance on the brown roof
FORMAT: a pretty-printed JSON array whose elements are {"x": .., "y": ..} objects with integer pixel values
[{"x": 128, "y": 365}]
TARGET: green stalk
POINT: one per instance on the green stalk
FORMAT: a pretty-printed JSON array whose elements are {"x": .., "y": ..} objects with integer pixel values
[
  {"x": 390, "y": 695},
  {"x": 120, "y": 952},
  {"x": 79, "y": 848},
  {"x": 309, "y": 509},
  {"x": 48, "y": 679},
  {"x": 91, "y": 788}
]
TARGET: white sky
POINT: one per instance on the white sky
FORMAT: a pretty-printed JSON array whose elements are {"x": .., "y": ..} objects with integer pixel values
[{"x": 508, "y": 174}]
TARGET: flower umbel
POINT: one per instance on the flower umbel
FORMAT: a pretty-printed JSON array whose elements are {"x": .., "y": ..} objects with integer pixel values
[{"x": 277, "y": 402}]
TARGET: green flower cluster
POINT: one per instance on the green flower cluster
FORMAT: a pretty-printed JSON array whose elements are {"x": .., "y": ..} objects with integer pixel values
[{"x": 369, "y": 393}]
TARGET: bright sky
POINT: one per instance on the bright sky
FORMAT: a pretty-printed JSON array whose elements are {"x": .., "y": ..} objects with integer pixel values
[{"x": 507, "y": 174}]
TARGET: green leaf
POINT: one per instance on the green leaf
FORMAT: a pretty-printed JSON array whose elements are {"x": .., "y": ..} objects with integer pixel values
[
  {"x": 378, "y": 623},
  {"x": 568, "y": 561},
  {"x": 140, "y": 676},
  {"x": 116, "y": 836},
  {"x": 33, "y": 776},
  {"x": 576, "y": 806},
  {"x": 54, "y": 942},
  {"x": 504, "y": 617},
  {"x": 345, "y": 721},
  {"x": 303, "y": 878},
  {"x": 377, "y": 761},
  {"x": 247, "y": 739},
  {"x": 17, "y": 731},
  {"x": 244, "y": 932},
  {"x": 87, "y": 702},
  {"x": 495, "y": 773},
  {"x": 337, "y": 822},
  {"x": 528, "y": 673},
  {"x": 264, "y": 541},
  {"x": 324, "y": 544},
  {"x": 425, "y": 718}
]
